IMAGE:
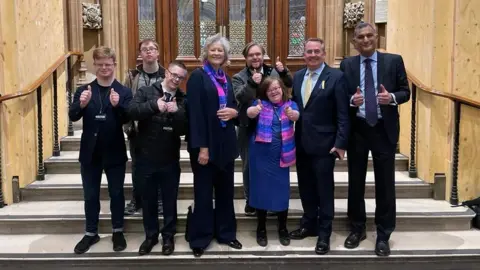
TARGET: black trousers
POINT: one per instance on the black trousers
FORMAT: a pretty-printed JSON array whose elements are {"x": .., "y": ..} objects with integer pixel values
[
  {"x": 168, "y": 178},
  {"x": 136, "y": 194},
  {"x": 205, "y": 224},
  {"x": 365, "y": 138},
  {"x": 91, "y": 181},
  {"x": 316, "y": 187}
]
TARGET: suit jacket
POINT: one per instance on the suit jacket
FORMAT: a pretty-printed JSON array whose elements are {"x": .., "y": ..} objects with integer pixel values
[
  {"x": 324, "y": 121},
  {"x": 105, "y": 136},
  {"x": 391, "y": 73},
  {"x": 204, "y": 125}
]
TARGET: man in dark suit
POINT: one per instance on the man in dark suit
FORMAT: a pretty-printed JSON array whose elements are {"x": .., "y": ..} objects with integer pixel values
[
  {"x": 102, "y": 105},
  {"x": 321, "y": 136},
  {"x": 377, "y": 84}
]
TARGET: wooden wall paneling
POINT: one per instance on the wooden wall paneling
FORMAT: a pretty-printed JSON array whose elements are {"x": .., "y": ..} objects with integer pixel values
[
  {"x": 168, "y": 25},
  {"x": 132, "y": 19},
  {"x": 159, "y": 23}
]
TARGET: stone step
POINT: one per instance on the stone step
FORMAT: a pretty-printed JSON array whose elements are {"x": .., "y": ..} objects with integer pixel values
[
  {"x": 67, "y": 163},
  {"x": 410, "y": 250},
  {"x": 59, "y": 187},
  {"x": 68, "y": 216},
  {"x": 72, "y": 143}
]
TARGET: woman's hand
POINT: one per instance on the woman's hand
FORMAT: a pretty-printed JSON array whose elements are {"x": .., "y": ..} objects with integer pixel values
[
  {"x": 292, "y": 114},
  {"x": 254, "y": 111},
  {"x": 226, "y": 114}
]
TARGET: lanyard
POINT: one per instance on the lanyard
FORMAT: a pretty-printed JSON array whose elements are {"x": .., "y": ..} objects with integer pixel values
[{"x": 100, "y": 99}]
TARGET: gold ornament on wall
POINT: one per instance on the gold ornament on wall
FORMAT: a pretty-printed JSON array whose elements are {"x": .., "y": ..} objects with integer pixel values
[
  {"x": 92, "y": 16},
  {"x": 353, "y": 13}
]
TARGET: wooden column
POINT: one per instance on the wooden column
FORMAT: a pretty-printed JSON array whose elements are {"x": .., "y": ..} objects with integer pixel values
[
  {"x": 334, "y": 31},
  {"x": 75, "y": 35},
  {"x": 369, "y": 11},
  {"x": 321, "y": 19},
  {"x": 115, "y": 34}
]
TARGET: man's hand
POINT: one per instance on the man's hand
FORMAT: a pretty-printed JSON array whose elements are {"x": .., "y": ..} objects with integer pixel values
[{"x": 85, "y": 97}]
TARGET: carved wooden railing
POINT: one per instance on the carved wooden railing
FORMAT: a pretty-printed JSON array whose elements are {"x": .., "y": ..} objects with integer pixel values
[
  {"x": 36, "y": 86},
  {"x": 458, "y": 102}
]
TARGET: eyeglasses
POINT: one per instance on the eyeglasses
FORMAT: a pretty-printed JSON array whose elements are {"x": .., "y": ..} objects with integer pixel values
[
  {"x": 176, "y": 76},
  {"x": 274, "y": 89},
  {"x": 148, "y": 49},
  {"x": 103, "y": 65}
]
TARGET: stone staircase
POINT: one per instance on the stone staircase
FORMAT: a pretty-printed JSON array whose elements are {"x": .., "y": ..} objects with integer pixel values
[{"x": 41, "y": 231}]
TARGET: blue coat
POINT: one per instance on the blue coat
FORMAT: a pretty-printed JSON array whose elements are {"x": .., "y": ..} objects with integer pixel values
[
  {"x": 204, "y": 125},
  {"x": 107, "y": 134}
]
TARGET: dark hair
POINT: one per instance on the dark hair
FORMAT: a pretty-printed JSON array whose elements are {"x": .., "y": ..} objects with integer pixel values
[
  {"x": 147, "y": 40},
  {"x": 262, "y": 89},
  {"x": 247, "y": 48},
  {"x": 178, "y": 63},
  {"x": 362, "y": 25}
]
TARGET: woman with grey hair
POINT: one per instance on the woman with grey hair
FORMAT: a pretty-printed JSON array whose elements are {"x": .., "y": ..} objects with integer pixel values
[{"x": 212, "y": 144}]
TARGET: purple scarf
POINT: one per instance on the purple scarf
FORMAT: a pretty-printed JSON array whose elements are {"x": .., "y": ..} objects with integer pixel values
[
  {"x": 220, "y": 81},
  {"x": 264, "y": 130}
]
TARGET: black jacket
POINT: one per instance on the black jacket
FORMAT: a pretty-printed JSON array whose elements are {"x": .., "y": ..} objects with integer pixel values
[
  {"x": 102, "y": 138},
  {"x": 158, "y": 137}
]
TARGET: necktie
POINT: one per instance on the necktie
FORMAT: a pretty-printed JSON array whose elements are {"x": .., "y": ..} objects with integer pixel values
[
  {"x": 371, "y": 115},
  {"x": 167, "y": 96},
  {"x": 308, "y": 88}
]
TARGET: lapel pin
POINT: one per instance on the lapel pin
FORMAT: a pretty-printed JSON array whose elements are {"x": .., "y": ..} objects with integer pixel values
[{"x": 323, "y": 84}]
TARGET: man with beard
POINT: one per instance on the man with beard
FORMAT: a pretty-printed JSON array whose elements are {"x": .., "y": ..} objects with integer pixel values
[
  {"x": 377, "y": 84},
  {"x": 146, "y": 74},
  {"x": 102, "y": 105},
  {"x": 245, "y": 85},
  {"x": 160, "y": 112},
  {"x": 321, "y": 136}
]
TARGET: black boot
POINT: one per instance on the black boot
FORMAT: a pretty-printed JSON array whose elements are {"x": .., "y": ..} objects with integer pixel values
[
  {"x": 283, "y": 235},
  {"x": 262, "y": 239}
]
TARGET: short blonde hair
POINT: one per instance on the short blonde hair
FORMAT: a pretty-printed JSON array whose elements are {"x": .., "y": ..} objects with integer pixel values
[
  {"x": 104, "y": 52},
  {"x": 214, "y": 39}
]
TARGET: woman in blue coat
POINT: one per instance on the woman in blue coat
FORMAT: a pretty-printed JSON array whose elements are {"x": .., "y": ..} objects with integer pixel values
[
  {"x": 212, "y": 145},
  {"x": 272, "y": 152}
]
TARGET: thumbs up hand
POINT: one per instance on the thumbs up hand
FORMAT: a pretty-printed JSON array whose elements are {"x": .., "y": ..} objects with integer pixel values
[
  {"x": 172, "y": 106},
  {"x": 85, "y": 97},
  {"x": 358, "y": 97},
  {"x": 291, "y": 114},
  {"x": 383, "y": 97},
  {"x": 278, "y": 65},
  {"x": 114, "y": 97},
  {"x": 257, "y": 76},
  {"x": 254, "y": 111}
]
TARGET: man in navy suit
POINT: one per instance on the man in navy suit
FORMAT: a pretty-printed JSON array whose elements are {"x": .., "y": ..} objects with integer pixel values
[
  {"x": 377, "y": 84},
  {"x": 321, "y": 136},
  {"x": 102, "y": 105}
]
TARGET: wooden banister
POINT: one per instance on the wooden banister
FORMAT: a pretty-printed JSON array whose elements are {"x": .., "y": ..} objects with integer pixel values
[
  {"x": 438, "y": 93},
  {"x": 38, "y": 82}
]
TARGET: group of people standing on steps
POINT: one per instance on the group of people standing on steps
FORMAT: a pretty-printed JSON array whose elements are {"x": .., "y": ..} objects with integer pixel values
[{"x": 328, "y": 112}]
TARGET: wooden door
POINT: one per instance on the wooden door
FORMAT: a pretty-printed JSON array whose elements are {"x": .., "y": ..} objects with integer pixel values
[{"x": 181, "y": 27}]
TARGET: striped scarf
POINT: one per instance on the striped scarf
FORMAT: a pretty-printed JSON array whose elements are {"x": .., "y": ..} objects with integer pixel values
[
  {"x": 264, "y": 131},
  {"x": 219, "y": 79}
]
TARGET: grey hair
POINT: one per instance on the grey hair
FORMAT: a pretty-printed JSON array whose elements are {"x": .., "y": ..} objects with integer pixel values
[
  {"x": 214, "y": 39},
  {"x": 362, "y": 25}
]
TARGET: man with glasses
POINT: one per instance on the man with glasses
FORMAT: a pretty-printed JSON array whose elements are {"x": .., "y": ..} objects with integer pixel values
[
  {"x": 146, "y": 74},
  {"x": 160, "y": 112}
]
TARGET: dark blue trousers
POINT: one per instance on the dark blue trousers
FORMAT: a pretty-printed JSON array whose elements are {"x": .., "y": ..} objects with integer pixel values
[
  {"x": 205, "y": 224},
  {"x": 167, "y": 178},
  {"x": 91, "y": 181}
]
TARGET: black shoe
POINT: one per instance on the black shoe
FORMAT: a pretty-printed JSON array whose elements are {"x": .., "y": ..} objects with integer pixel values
[
  {"x": 160, "y": 208},
  {"x": 323, "y": 247},
  {"x": 85, "y": 244},
  {"x": 198, "y": 252},
  {"x": 262, "y": 239},
  {"x": 168, "y": 246},
  {"x": 354, "y": 239},
  {"x": 119, "y": 242},
  {"x": 271, "y": 213},
  {"x": 300, "y": 234},
  {"x": 147, "y": 246},
  {"x": 250, "y": 211},
  {"x": 284, "y": 237},
  {"x": 382, "y": 248},
  {"x": 235, "y": 244},
  {"x": 131, "y": 208}
]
